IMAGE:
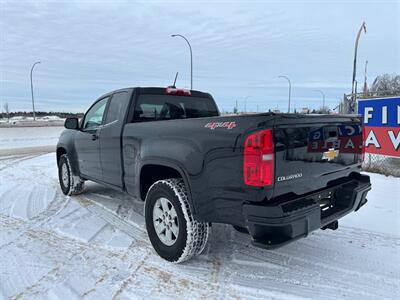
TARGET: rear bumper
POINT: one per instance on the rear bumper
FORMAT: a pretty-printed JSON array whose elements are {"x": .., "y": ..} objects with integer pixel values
[{"x": 277, "y": 224}]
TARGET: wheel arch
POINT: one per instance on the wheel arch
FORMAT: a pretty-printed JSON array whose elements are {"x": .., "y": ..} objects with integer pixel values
[
  {"x": 60, "y": 151},
  {"x": 154, "y": 170},
  {"x": 63, "y": 149}
]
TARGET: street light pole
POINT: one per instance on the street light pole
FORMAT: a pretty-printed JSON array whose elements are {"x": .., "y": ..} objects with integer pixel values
[
  {"x": 353, "y": 84},
  {"x": 191, "y": 58},
  {"x": 290, "y": 89},
  {"x": 323, "y": 98},
  {"x": 245, "y": 103},
  {"x": 33, "y": 102}
]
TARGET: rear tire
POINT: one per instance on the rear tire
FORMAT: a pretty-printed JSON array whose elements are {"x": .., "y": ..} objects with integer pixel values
[
  {"x": 70, "y": 184},
  {"x": 174, "y": 233}
]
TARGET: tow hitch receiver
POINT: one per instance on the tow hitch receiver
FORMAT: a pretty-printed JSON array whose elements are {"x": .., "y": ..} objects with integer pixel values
[{"x": 334, "y": 225}]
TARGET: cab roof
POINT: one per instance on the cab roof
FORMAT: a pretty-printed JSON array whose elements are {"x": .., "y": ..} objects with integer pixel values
[{"x": 158, "y": 91}]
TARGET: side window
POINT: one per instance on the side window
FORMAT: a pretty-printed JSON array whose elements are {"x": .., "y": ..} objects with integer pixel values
[
  {"x": 94, "y": 116},
  {"x": 118, "y": 105}
]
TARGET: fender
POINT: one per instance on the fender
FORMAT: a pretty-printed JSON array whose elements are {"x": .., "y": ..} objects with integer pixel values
[
  {"x": 66, "y": 142},
  {"x": 173, "y": 165}
]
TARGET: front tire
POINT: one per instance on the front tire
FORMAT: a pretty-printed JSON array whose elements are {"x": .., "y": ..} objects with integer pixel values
[
  {"x": 70, "y": 184},
  {"x": 174, "y": 233}
]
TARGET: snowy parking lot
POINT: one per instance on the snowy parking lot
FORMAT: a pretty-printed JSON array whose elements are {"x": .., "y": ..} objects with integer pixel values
[{"x": 94, "y": 246}]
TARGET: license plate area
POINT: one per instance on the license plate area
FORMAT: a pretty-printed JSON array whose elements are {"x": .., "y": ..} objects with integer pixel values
[{"x": 335, "y": 202}]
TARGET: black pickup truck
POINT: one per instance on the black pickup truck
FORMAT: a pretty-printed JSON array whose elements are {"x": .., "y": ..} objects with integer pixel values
[{"x": 275, "y": 176}]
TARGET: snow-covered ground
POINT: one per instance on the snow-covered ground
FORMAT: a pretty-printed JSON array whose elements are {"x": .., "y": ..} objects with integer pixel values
[
  {"x": 21, "y": 140},
  {"x": 94, "y": 246},
  {"x": 28, "y": 121}
]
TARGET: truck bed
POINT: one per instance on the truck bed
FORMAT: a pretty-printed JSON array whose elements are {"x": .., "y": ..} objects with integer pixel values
[{"x": 209, "y": 151}]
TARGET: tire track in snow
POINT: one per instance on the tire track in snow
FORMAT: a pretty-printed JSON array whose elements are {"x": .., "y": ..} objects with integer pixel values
[
  {"x": 305, "y": 262},
  {"x": 15, "y": 161},
  {"x": 325, "y": 265}
]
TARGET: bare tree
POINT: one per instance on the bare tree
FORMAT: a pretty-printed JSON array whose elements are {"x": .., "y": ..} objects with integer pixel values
[
  {"x": 386, "y": 85},
  {"x": 7, "y": 110}
]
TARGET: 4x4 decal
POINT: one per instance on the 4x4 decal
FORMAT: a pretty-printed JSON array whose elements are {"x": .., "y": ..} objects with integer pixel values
[{"x": 227, "y": 125}]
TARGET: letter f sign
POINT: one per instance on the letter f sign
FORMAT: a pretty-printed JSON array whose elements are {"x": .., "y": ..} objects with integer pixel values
[{"x": 368, "y": 114}]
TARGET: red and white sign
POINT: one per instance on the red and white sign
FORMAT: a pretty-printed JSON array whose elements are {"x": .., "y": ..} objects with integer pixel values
[
  {"x": 382, "y": 140},
  {"x": 381, "y": 129}
]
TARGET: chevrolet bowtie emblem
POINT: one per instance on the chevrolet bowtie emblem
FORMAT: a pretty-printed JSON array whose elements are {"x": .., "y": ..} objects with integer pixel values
[{"x": 330, "y": 154}]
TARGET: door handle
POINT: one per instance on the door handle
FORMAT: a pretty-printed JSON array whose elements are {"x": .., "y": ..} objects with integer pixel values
[{"x": 94, "y": 137}]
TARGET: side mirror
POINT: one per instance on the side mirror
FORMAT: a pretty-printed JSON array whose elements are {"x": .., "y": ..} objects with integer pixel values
[{"x": 71, "y": 123}]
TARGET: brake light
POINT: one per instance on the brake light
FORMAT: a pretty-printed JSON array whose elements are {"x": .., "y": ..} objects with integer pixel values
[
  {"x": 177, "y": 92},
  {"x": 258, "y": 162}
]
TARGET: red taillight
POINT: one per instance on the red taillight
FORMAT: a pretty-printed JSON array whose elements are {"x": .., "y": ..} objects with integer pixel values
[
  {"x": 258, "y": 162},
  {"x": 177, "y": 92}
]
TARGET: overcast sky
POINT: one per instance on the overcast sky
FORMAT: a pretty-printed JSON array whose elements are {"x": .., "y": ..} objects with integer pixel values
[{"x": 88, "y": 48}]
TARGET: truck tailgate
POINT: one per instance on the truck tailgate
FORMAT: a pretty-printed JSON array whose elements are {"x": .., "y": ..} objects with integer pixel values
[{"x": 312, "y": 152}]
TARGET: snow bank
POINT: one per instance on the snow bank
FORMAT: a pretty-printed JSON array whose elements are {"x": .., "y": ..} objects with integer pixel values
[
  {"x": 382, "y": 211},
  {"x": 23, "y": 137}
]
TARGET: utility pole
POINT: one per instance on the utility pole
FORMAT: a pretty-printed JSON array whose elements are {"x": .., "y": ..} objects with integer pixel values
[
  {"x": 245, "y": 103},
  {"x": 365, "y": 90},
  {"x": 33, "y": 101},
  {"x": 191, "y": 58},
  {"x": 353, "y": 83},
  {"x": 290, "y": 89},
  {"x": 323, "y": 98}
]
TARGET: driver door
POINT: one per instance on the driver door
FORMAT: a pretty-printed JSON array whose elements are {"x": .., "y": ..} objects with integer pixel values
[{"x": 87, "y": 141}]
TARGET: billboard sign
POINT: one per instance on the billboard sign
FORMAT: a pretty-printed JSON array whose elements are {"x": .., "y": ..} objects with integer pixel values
[{"x": 381, "y": 125}]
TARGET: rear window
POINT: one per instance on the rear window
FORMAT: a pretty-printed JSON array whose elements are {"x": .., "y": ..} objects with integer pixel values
[{"x": 167, "y": 107}]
